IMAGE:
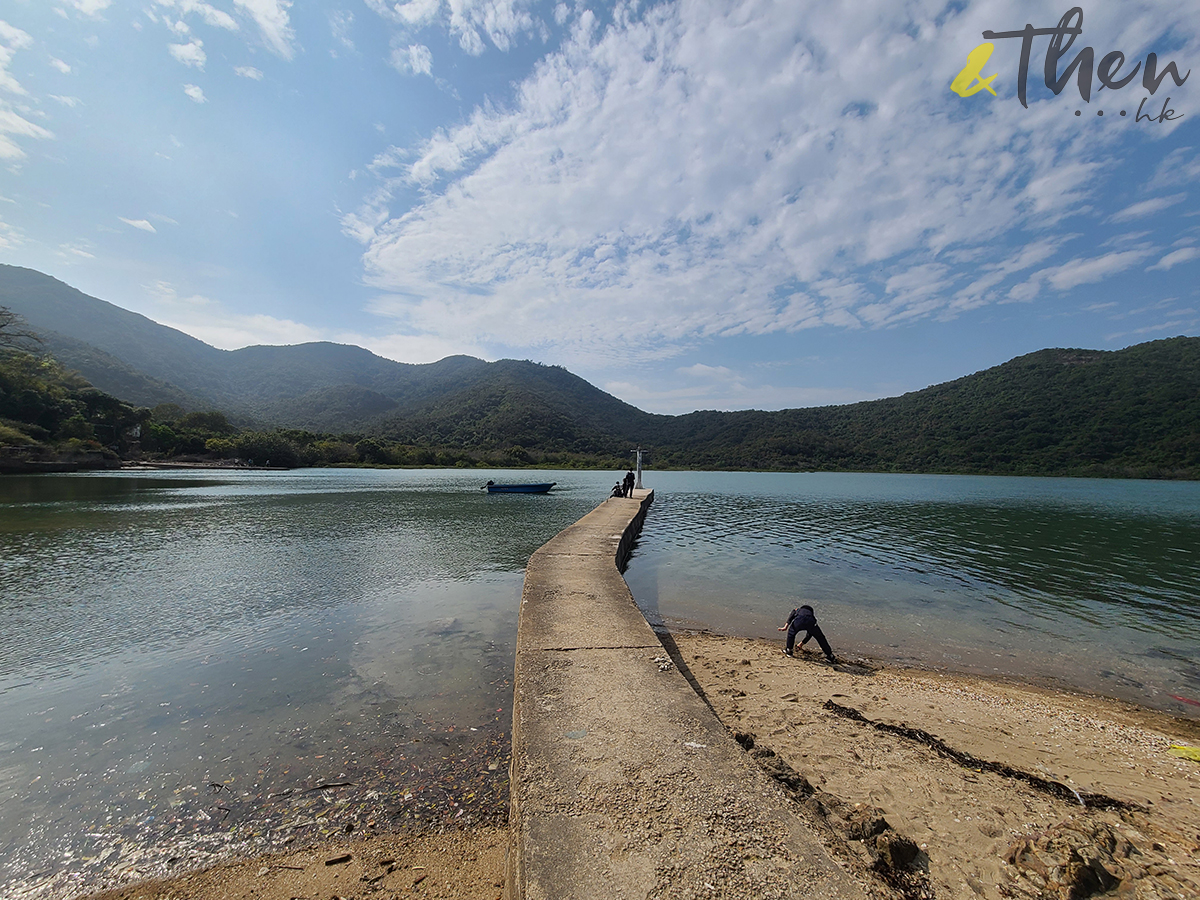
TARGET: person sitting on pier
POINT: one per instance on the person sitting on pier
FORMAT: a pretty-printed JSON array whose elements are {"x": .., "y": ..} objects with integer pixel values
[
  {"x": 618, "y": 490},
  {"x": 803, "y": 619}
]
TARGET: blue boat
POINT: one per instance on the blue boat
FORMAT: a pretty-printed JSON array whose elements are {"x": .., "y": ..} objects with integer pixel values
[{"x": 493, "y": 488}]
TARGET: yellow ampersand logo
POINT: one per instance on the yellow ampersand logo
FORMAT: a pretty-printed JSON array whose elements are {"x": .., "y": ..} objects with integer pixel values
[{"x": 976, "y": 60}]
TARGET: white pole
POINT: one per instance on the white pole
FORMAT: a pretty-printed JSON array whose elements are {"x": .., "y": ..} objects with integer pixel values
[{"x": 638, "y": 485}]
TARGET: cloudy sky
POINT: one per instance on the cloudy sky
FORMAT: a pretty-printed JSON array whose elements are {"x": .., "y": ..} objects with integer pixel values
[{"x": 694, "y": 204}]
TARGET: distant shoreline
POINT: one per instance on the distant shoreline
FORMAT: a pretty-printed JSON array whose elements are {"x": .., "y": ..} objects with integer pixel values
[
  {"x": 135, "y": 465},
  {"x": 14, "y": 466}
]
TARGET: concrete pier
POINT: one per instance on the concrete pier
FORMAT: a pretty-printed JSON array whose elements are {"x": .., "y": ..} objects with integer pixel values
[{"x": 624, "y": 783}]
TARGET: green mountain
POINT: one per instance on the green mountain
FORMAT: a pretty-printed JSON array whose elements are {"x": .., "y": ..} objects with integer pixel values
[
  {"x": 315, "y": 386},
  {"x": 1131, "y": 412},
  {"x": 114, "y": 349}
]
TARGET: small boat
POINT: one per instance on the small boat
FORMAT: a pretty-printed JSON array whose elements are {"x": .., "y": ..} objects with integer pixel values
[{"x": 493, "y": 488}]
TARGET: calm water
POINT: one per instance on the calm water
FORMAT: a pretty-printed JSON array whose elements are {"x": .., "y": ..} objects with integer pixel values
[
  {"x": 187, "y": 658},
  {"x": 183, "y": 655},
  {"x": 1095, "y": 583}
]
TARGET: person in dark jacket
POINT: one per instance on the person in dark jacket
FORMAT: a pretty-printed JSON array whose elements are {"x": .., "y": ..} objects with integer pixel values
[
  {"x": 803, "y": 619},
  {"x": 628, "y": 482}
]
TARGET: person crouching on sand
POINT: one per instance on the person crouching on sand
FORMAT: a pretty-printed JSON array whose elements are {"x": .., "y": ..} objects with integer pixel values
[{"x": 803, "y": 619}]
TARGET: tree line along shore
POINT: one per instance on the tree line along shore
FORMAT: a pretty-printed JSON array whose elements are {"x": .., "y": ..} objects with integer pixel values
[{"x": 1128, "y": 413}]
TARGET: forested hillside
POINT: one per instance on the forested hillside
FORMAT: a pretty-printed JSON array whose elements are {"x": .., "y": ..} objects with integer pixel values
[
  {"x": 1132, "y": 412},
  {"x": 315, "y": 386},
  {"x": 1128, "y": 412},
  {"x": 50, "y": 418}
]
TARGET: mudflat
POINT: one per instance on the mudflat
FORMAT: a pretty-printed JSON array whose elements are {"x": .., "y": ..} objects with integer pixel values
[{"x": 921, "y": 784}]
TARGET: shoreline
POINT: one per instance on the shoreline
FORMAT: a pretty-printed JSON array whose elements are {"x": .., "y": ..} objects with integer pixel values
[
  {"x": 1185, "y": 709},
  {"x": 978, "y": 833},
  {"x": 855, "y": 647}
]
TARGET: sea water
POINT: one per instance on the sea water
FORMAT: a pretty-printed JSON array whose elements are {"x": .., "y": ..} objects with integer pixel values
[
  {"x": 194, "y": 664},
  {"x": 1094, "y": 584},
  {"x": 185, "y": 657}
]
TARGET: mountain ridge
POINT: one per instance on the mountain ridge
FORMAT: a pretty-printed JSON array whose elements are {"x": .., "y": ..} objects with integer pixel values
[{"x": 1052, "y": 411}]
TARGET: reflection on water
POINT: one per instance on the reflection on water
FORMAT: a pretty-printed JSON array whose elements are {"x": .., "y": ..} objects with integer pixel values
[
  {"x": 1091, "y": 583},
  {"x": 194, "y": 664},
  {"x": 184, "y": 658}
]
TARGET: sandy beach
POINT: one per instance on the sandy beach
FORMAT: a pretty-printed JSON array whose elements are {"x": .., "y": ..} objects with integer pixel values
[
  {"x": 1004, "y": 790},
  {"x": 980, "y": 833}
]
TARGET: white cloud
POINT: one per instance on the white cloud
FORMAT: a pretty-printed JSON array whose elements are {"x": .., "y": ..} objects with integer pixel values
[
  {"x": 912, "y": 293},
  {"x": 212, "y": 322},
  {"x": 1182, "y": 255},
  {"x": 74, "y": 252},
  {"x": 12, "y": 39},
  {"x": 13, "y": 124},
  {"x": 209, "y": 13},
  {"x": 1088, "y": 271},
  {"x": 1078, "y": 271},
  {"x": 980, "y": 290},
  {"x": 90, "y": 7},
  {"x": 231, "y": 331},
  {"x": 1147, "y": 207},
  {"x": 340, "y": 23},
  {"x": 470, "y": 21},
  {"x": 416, "y": 59},
  {"x": 712, "y": 168},
  {"x": 1178, "y": 321},
  {"x": 416, "y": 13},
  {"x": 700, "y": 370},
  {"x": 10, "y": 237},
  {"x": 141, "y": 224},
  {"x": 60, "y": 65},
  {"x": 14, "y": 36},
  {"x": 419, "y": 348},
  {"x": 271, "y": 17},
  {"x": 1180, "y": 166},
  {"x": 248, "y": 72},
  {"x": 190, "y": 54},
  {"x": 195, "y": 92}
]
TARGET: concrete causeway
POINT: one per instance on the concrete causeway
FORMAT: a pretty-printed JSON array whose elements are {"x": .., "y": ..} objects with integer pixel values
[{"x": 624, "y": 782}]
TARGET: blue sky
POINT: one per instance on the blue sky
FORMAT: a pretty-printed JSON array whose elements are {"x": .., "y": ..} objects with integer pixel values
[{"x": 694, "y": 205}]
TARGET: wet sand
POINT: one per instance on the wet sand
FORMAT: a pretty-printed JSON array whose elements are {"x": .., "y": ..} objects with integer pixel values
[{"x": 1002, "y": 790}]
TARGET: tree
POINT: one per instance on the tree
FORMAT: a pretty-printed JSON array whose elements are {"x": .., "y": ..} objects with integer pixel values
[
  {"x": 370, "y": 450},
  {"x": 168, "y": 413},
  {"x": 15, "y": 335},
  {"x": 211, "y": 421}
]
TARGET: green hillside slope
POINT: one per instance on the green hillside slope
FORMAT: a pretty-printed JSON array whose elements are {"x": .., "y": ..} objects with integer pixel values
[
  {"x": 1129, "y": 412},
  {"x": 58, "y": 311},
  {"x": 1134, "y": 411},
  {"x": 321, "y": 386},
  {"x": 526, "y": 405}
]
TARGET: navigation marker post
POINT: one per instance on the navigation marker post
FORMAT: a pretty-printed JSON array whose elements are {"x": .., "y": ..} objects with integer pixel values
[{"x": 639, "y": 451}]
